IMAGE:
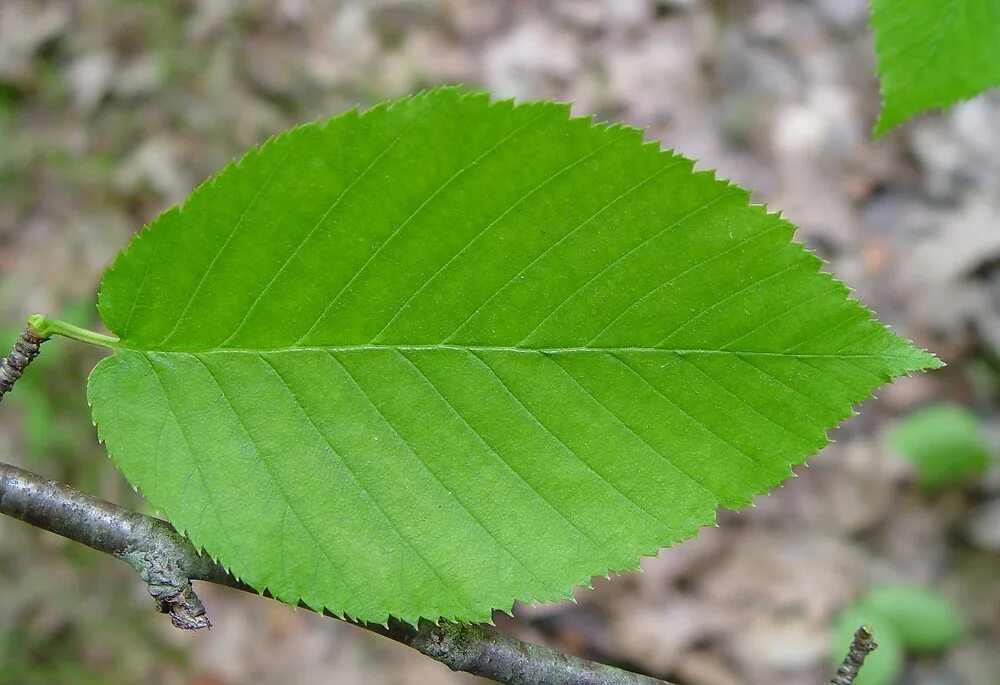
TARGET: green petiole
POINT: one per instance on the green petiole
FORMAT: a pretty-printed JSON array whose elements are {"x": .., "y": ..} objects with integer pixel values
[{"x": 46, "y": 328}]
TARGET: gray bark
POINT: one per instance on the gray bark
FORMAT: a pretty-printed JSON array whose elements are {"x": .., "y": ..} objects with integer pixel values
[{"x": 862, "y": 645}]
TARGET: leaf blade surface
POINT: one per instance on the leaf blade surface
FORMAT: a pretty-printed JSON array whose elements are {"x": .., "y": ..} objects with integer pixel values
[
  {"x": 449, "y": 353},
  {"x": 933, "y": 54}
]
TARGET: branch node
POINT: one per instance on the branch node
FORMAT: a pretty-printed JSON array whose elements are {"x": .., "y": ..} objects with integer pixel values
[
  {"x": 170, "y": 588},
  {"x": 184, "y": 608}
]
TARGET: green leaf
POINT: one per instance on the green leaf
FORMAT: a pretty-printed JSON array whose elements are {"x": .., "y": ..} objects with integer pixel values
[
  {"x": 924, "y": 620},
  {"x": 933, "y": 53},
  {"x": 446, "y": 354},
  {"x": 944, "y": 441}
]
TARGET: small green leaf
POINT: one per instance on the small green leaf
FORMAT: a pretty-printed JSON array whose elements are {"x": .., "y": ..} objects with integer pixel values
[
  {"x": 944, "y": 441},
  {"x": 933, "y": 53},
  {"x": 448, "y": 353},
  {"x": 924, "y": 620}
]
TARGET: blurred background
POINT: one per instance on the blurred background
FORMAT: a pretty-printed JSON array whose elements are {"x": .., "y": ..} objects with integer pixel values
[{"x": 112, "y": 110}]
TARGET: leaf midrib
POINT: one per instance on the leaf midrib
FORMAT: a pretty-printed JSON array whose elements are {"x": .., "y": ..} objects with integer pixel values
[{"x": 520, "y": 350}]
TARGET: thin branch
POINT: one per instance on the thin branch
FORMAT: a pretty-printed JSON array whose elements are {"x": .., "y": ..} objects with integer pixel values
[
  {"x": 23, "y": 353},
  {"x": 862, "y": 645},
  {"x": 168, "y": 562}
]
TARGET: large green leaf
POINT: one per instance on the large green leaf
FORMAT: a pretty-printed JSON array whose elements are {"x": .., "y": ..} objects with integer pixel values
[
  {"x": 933, "y": 53},
  {"x": 446, "y": 354}
]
